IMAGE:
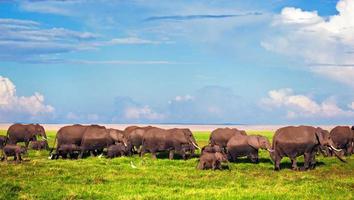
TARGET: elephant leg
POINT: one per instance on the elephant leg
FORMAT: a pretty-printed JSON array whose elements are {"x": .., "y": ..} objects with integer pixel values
[
  {"x": 142, "y": 151},
  {"x": 26, "y": 143},
  {"x": 213, "y": 165},
  {"x": 200, "y": 165},
  {"x": 153, "y": 155},
  {"x": 307, "y": 160},
  {"x": 277, "y": 163},
  {"x": 16, "y": 157},
  {"x": 81, "y": 153},
  {"x": 294, "y": 163},
  {"x": 171, "y": 154},
  {"x": 313, "y": 161},
  {"x": 5, "y": 157},
  {"x": 348, "y": 150}
]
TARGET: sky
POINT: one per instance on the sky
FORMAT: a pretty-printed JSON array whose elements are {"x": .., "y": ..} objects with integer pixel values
[{"x": 186, "y": 61}]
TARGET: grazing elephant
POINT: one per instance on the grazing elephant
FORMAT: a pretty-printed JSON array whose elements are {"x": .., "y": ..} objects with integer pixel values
[
  {"x": 39, "y": 145},
  {"x": 134, "y": 135},
  {"x": 171, "y": 140},
  {"x": 247, "y": 145},
  {"x": 221, "y": 136},
  {"x": 3, "y": 140},
  {"x": 116, "y": 150},
  {"x": 25, "y": 133},
  {"x": 14, "y": 150},
  {"x": 343, "y": 138},
  {"x": 211, "y": 160},
  {"x": 97, "y": 138},
  {"x": 294, "y": 141}
]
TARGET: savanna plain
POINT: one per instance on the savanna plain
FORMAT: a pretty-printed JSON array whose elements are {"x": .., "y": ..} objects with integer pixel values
[{"x": 37, "y": 177}]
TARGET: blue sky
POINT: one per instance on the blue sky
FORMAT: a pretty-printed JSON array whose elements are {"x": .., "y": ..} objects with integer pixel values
[{"x": 243, "y": 62}]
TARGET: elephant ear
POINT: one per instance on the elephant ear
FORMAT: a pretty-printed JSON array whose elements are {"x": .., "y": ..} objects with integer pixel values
[
  {"x": 254, "y": 141},
  {"x": 319, "y": 135}
]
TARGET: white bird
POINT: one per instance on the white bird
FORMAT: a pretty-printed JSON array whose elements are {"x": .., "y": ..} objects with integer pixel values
[{"x": 132, "y": 165}]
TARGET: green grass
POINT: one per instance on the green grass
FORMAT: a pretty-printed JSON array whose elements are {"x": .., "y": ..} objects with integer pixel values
[{"x": 101, "y": 178}]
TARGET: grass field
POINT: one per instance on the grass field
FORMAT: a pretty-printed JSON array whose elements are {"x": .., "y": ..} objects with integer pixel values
[{"x": 101, "y": 178}]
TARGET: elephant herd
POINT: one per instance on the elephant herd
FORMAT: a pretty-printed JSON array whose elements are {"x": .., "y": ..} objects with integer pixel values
[{"x": 225, "y": 144}]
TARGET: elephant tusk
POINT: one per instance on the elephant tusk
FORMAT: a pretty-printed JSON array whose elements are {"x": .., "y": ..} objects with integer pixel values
[
  {"x": 43, "y": 138},
  {"x": 125, "y": 144},
  {"x": 270, "y": 150},
  {"x": 335, "y": 148},
  {"x": 196, "y": 146}
]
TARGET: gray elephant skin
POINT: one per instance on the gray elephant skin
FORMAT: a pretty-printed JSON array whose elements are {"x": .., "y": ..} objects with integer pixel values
[
  {"x": 25, "y": 133},
  {"x": 343, "y": 138},
  {"x": 247, "y": 145},
  {"x": 172, "y": 140},
  {"x": 221, "y": 136},
  {"x": 294, "y": 141}
]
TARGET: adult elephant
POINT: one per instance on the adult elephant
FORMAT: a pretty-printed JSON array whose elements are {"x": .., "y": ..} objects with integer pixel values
[
  {"x": 247, "y": 145},
  {"x": 171, "y": 140},
  {"x": 97, "y": 138},
  {"x": 343, "y": 138},
  {"x": 294, "y": 141},
  {"x": 70, "y": 135},
  {"x": 221, "y": 136},
  {"x": 134, "y": 135},
  {"x": 25, "y": 133}
]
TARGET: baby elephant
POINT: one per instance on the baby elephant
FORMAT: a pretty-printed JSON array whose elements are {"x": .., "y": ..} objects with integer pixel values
[
  {"x": 211, "y": 160},
  {"x": 116, "y": 150},
  {"x": 212, "y": 148},
  {"x": 39, "y": 145},
  {"x": 3, "y": 140},
  {"x": 14, "y": 150},
  {"x": 66, "y": 149}
]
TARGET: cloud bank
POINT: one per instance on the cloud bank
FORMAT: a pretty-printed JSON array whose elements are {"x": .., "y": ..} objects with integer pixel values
[
  {"x": 15, "y": 108},
  {"x": 317, "y": 40}
]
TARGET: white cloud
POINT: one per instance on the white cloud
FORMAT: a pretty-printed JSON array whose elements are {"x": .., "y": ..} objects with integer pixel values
[
  {"x": 129, "y": 111},
  {"x": 302, "y": 106},
  {"x": 341, "y": 74},
  {"x": 316, "y": 40},
  {"x": 13, "y": 107},
  {"x": 144, "y": 112}
]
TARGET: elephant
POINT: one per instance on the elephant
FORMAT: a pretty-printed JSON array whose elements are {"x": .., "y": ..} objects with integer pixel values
[
  {"x": 221, "y": 136},
  {"x": 134, "y": 135},
  {"x": 71, "y": 134},
  {"x": 189, "y": 149},
  {"x": 25, "y": 133},
  {"x": 211, "y": 160},
  {"x": 14, "y": 150},
  {"x": 3, "y": 140},
  {"x": 210, "y": 148},
  {"x": 116, "y": 150},
  {"x": 97, "y": 138},
  {"x": 294, "y": 141},
  {"x": 247, "y": 145},
  {"x": 343, "y": 138},
  {"x": 39, "y": 145},
  {"x": 68, "y": 149},
  {"x": 171, "y": 140}
]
